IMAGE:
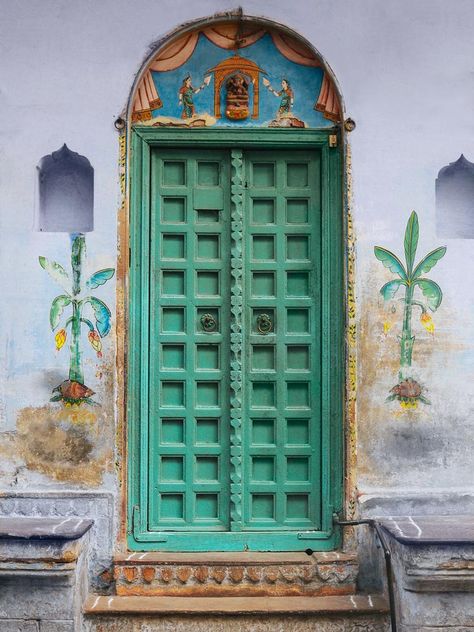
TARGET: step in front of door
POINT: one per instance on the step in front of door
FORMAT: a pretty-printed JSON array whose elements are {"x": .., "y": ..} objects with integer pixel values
[
  {"x": 348, "y": 613},
  {"x": 236, "y": 574}
]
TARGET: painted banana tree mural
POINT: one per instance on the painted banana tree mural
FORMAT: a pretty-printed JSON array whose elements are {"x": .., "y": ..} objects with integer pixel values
[
  {"x": 420, "y": 293},
  {"x": 77, "y": 295}
]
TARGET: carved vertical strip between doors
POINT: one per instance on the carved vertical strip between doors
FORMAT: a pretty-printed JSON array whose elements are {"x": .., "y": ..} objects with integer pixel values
[{"x": 237, "y": 201}]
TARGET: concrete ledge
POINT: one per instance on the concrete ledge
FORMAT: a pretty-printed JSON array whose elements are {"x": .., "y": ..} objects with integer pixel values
[
  {"x": 41, "y": 547},
  {"x": 43, "y": 572},
  {"x": 444, "y": 530},
  {"x": 433, "y": 562},
  {"x": 43, "y": 528},
  {"x": 348, "y": 604}
]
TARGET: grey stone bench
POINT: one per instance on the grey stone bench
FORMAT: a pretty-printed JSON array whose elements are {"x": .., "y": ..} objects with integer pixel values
[
  {"x": 43, "y": 573},
  {"x": 433, "y": 562}
]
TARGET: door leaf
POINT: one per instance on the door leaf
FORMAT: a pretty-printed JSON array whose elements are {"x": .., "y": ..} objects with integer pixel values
[
  {"x": 429, "y": 261},
  {"x": 431, "y": 291},
  {"x": 102, "y": 315},
  {"x": 390, "y": 261},
  {"x": 389, "y": 290},
  {"x": 100, "y": 277},
  {"x": 56, "y": 272},
  {"x": 57, "y": 308},
  {"x": 411, "y": 241}
]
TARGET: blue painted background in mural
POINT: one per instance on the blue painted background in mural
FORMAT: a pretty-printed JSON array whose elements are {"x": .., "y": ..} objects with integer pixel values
[{"x": 305, "y": 82}]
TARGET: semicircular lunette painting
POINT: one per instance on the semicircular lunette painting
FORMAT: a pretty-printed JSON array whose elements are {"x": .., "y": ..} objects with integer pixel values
[{"x": 226, "y": 76}]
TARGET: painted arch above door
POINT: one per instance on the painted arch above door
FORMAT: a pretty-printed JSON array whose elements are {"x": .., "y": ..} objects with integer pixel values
[{"x": 240, "y": 73}]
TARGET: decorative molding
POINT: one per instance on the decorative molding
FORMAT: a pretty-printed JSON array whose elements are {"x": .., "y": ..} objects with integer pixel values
[
  {"x": 351, "y": 345},
  {"x": 121, "y": 318},
  {"x": 312, "y": 577},
  {"x": 237, "y": 199}
]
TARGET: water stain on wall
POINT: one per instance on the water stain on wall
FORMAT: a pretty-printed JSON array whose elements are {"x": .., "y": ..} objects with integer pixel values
[
  {"x": 69, "y": 444},
  {"x": 390, "y": 437},
  {"x": 62, "y": 444}
]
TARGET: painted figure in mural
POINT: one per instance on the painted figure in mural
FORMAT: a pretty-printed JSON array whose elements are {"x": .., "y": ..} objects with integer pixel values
[
  {"x": 186, "y": 95},
  {"x": 286, "y": 94},
  {"x": 237, "y": 97}
]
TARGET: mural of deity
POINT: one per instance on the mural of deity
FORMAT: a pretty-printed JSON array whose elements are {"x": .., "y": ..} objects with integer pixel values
[
  {"x": 186, "y": 96},
  {"x": 214, "y": 57},
  {"x": 237, "y": 97}
]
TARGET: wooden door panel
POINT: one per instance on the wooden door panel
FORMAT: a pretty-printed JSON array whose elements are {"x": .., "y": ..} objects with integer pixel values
[
  {"x": 236, "y": 384},
  {"x": 282, "y": 420},
  {"x": 189, "y": 334}
]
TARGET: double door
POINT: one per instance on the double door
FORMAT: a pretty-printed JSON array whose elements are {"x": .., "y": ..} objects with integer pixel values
[{"x": 232, "y": 452}]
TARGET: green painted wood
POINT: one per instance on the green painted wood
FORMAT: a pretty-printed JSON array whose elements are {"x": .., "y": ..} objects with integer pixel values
[
  {"x": 235, "y": 361},
  {"x": 189, "y": 341},
  {"x": 282, "y": 349},
  {"x": 305, "y": 521}
]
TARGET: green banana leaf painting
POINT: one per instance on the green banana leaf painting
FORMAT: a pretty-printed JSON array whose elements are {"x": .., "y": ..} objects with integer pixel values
[
  {"x": 77, "y": 296},
  {"x": 420, "y": 293}
]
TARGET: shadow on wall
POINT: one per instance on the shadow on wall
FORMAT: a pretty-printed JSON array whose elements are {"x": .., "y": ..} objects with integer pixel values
[{"x": 455, "y": 200}]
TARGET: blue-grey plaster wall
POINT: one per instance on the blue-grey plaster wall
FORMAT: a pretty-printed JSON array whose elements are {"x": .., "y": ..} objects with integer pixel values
[{"x": 406, "y": 73}]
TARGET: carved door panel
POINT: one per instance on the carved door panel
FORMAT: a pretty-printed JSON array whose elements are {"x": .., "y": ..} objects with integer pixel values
[
  {"x": 235, "y": 450},
  {"x": 282, "y": 366},
  {"x": 189, "y": 341}
]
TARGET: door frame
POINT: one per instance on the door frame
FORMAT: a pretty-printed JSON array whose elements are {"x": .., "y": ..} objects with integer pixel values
[{"x": 333, "y": 301}]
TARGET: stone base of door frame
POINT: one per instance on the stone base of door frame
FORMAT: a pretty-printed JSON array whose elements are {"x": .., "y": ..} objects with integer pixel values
[{"x": 235, "y": 574}]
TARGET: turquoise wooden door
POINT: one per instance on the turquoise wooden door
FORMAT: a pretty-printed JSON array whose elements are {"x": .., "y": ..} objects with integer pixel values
[
  {"x": 234, "y": 430},
  {"x": 189, "y": 341},
  {"x": 282, "y": 303}
]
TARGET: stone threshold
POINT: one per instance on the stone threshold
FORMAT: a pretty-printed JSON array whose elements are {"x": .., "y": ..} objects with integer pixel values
[
  {"x": 333, "y": 605},
  {"x": 239, "y": 558}
]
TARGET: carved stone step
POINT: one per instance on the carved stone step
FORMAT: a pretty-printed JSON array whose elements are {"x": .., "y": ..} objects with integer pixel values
[
  {"x": 235, "y": 574},
  {"x": 347, "y": 613}
]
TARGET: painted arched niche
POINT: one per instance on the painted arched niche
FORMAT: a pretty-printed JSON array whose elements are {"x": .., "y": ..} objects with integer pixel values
[{"x": 239, "y": 72}]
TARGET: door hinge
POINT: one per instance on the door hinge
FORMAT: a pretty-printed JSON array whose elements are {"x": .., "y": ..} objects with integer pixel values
[{"x": 332, "y": 140}]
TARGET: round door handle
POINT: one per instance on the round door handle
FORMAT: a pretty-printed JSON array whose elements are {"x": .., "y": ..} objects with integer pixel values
[
  {"x": 208, "y": 322},
  {"x": 264, "y": 324}
]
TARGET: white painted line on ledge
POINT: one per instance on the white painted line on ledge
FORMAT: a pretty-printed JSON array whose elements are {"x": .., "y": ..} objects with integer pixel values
[
  {"x": 418, "y": 535},
  {"x": 61, "y": 524}
]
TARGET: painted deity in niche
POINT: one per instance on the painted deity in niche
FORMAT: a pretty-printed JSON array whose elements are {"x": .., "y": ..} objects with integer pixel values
[
  {"x": 237, "y": 97},
  {"x": 186, "y": 96},
  {"x": 421, "y": 295}
]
